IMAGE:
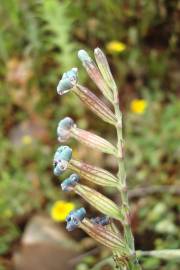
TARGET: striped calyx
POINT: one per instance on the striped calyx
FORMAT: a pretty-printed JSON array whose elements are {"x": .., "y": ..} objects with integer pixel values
[
  {"x": 94, "y": 174},
  {"x": 95, "y": 74},
  {"x": 67, "y": 128}
]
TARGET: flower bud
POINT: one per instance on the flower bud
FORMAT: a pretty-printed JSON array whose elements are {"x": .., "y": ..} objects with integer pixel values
[
  {"x": 95, "y": 104},
  {"x": 94, "y": 174},
  {"x": 67, "y": 128},
  {"x": 97, "y": 231},
  {"x": 69, "y": 183},
  {"x": 75, "y": 218},
  {"x": 68, "y": 81},
  {"x": 93, "y": 197},
  {"x": 61, "y": 159},
  {"x": 94, "y": 74},
  {"x": 64, "y": 129},
  {"x": 105, "y": 69}
]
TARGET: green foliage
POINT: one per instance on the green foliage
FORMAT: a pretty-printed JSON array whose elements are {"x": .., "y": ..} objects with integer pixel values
[
  {"x": 9, "y": 233},
  {"x": 157, "y": 134},
  {"x": 57, "y": 31}
]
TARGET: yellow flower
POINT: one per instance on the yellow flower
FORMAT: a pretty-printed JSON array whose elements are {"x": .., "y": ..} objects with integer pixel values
[
  {"x": 60, "y": 210},
  {"x": 138, "y": 106},
  {"x": 115, "y": 46},
  {"x": 26, "y": 139}
]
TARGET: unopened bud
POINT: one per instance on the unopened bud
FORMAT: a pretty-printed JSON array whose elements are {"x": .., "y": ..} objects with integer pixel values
[
  {"x": 95, "y": 74},
  {"x": 61, "y": 159},
  {"x": 75, "y": 218},
  {"x": 64, "y": 129},
  {"x": 68, "y": 81},
  {"x": 67, "y": 128},
  {"x": 93, "y": 197},
  {"x": 69, "y": 183},
  {"x": 105, "y": 69}
]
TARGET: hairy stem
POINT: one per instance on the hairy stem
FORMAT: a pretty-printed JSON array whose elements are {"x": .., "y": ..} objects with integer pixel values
[{"x": 128, "y": 236}]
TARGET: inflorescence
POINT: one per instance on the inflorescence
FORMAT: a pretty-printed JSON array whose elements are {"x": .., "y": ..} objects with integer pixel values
[{"x": 101, "y": 228}]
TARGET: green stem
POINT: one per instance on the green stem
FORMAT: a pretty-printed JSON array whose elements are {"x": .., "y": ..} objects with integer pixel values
[
  {"x": 164, "y": 254},
  {"x": 128, "y": 236}
]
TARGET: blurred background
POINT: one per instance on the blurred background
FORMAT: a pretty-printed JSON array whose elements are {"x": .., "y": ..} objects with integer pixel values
[{"x": 39, "y": 40}]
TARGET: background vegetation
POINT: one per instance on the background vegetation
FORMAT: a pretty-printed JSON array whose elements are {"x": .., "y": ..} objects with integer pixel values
[{"x": 38, "y": 42}]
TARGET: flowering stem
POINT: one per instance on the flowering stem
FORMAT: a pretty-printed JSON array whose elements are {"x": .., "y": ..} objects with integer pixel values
[
  {"x": 122, "y": 247},
  {"x": 133, "y": 263}
]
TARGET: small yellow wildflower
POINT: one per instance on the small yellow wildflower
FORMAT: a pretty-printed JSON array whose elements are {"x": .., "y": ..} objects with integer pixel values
[
  {"x": 115, "y": 47},
  {"x": 26, "y": 139},
  {"x": 60, "y": 210},
  {"x": 138, "y": 106}
]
